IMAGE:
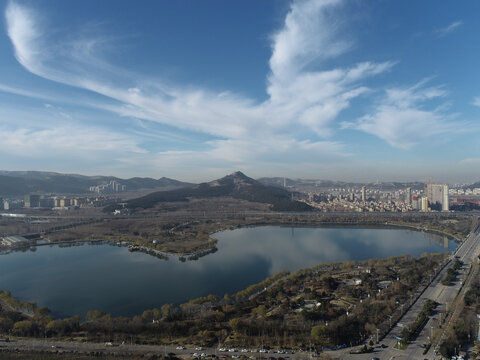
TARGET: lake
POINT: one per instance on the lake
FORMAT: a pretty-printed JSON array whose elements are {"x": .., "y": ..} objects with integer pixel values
[{"x": 73, "y": 280}]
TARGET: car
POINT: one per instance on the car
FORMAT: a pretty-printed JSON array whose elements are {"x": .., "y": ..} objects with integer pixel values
[
  {"x": 195, "y": 354},
  {"x": 262, "y": 351},
  {"x": 244, "y": 350},
  {"x": 222, "y": 349},
  {"x": 199, "y": 348},
  {"x": 232, "y": 350},
  {"x": 108, "y": 343},
  {"x": 180, "y": 347},
  {"x": 203, "y": 355},
  {"x": 235, "y": 357}
]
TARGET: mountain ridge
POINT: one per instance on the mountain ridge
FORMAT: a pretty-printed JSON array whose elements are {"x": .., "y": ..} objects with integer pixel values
[
  {"x": 236, "y": 185},
  {"x": 16, "y": 183}
]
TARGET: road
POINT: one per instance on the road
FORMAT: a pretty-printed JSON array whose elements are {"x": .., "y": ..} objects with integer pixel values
[
  {"x": 46, "y": 345},
  {"x": 467, "y": 252}
]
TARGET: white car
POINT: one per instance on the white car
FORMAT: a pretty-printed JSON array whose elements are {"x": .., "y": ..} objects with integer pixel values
[
  {"x": 222, "y": 349},
  {"x": 235, "y": 357},
  {"x": 199, "y": 348},
  {"x": 232, "y": 350},
  {"x": 180, "y": 347},
  {"x": 244, "y": 350},
  {"x": 262, "y": 351},
  {"x": 195, "y": 354}
]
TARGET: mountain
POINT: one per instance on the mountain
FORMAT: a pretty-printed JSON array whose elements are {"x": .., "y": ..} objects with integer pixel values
[
  {"x": 236, "y": 185},
  {"x": 15, "y": 183}
]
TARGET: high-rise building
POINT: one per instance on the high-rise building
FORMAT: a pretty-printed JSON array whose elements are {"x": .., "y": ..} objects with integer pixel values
[
  {"x": 416, "y": 202},
  {"x": 408, "y": 196},
  {"x": 364, "y": 197},
  {"x": 424, "y": 203},
  {"x": 32, "y": 201},
  {"x": 437, "y": 195},
  {"x": 445, "y": 203}
]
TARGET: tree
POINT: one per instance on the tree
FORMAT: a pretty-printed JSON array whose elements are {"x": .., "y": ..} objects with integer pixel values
[
  {"x": 23, "y": 328},
  {"x": 147, "y": 315},
  {"x": 157, "y": 313},
  {"x": 94, "y": 314},
  {"x": 320, "y": 334},
  {"x": 166, "y": 310},
  {"x": 234, "y": 324}
]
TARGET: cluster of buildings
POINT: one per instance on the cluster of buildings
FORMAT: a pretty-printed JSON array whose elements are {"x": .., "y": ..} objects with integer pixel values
[
  {"x": 434, "y": 197},
  {"x": 112, "y": 187},
  {"x": 34, "y": 201}
]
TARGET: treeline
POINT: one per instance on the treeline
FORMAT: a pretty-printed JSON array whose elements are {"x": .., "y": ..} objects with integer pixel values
[
  {"x": 410, "y": 332},
  {"x": 452, "y": 273},
  {"x": 465, "y": 329}
]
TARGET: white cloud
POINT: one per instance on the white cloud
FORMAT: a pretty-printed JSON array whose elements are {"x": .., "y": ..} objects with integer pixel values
[
  {"x": 449, "y": 29},
  {"x": 300, "y": 100},
  {"x": 305, "y": 96},
  {"x": 68, "y": 141},
  {"x": 402, "y": 117},
  {"x": 470, "y": 161}
]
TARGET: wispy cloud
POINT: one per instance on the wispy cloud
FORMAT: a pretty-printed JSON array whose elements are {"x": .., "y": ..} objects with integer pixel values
[
  {"x": 300, "y": 99},
  {"x": 68, "y": 141},
  {"x": 449, "y": 29},
  {"x": 403, "y": 118},
  {"x": 306, "y": 95}
]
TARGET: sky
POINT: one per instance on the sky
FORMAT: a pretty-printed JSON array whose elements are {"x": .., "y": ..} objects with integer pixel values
[{"x": 323, "y": 89}]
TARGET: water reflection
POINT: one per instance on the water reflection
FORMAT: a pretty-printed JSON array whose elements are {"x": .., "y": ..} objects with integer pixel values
[{"x": 73, "y": 280}]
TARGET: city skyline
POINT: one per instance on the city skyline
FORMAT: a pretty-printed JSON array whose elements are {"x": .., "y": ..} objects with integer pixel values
[{"x": 338, "y": 90}]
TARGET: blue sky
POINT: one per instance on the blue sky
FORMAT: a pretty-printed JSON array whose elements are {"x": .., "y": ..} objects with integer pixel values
[{"x": 332, "y": 89}]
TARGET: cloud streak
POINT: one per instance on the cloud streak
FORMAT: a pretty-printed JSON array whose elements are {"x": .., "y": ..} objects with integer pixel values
[{"x": 449, "y": 29}]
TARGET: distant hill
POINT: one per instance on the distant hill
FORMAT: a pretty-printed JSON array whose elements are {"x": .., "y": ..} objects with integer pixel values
[
  {"x": 473, "y": 186},
  {"x": 237, "y": 185},
  {"x": 17, "y": 183}
]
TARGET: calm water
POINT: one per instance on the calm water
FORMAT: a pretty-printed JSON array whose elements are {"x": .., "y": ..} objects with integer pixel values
[{"x": 76, "y": 279}]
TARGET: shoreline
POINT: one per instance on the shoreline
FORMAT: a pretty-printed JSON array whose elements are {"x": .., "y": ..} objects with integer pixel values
[{"x": 211, "y": 249}]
